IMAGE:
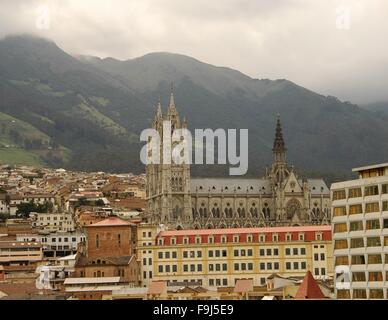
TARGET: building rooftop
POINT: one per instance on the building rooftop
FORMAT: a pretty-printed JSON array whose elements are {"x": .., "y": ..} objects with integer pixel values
[
  {"x": 111, "y": 222},
  {"x": 309, "y": 288},
  {"x": 93, "y": 280},
  {"x": 371, "y": 167}
]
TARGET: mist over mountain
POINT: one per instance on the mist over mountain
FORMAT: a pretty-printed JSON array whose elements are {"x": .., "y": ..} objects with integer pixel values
[{"x": 86, "y": 113}]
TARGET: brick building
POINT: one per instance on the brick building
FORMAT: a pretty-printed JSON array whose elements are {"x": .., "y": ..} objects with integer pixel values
[{"x": 109, "y": 251}]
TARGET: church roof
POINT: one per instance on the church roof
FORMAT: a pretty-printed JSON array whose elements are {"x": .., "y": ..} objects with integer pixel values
[
  {"x": 229, "y": 185},
  {"x": 243, "y": 186}
]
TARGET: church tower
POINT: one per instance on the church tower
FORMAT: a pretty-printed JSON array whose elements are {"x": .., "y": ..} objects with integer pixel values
[{"x": 168, "y": 196}]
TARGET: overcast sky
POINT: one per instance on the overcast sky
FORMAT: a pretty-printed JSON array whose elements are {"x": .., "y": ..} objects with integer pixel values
[{"x": 333, "y": 47}]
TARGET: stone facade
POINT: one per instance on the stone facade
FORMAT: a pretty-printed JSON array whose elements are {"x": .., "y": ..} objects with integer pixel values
[{"x": 280, "y": 198}]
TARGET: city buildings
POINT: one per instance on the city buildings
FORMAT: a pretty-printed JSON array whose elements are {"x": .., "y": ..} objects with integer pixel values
[{"x": 360, "y": 233}]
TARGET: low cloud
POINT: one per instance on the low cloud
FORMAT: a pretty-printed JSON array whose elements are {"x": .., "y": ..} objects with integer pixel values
[{"x": 330, "y": 46}]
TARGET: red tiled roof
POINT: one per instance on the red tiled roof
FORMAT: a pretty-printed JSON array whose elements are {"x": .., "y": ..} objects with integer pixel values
[
  {"x": 309, "y": 288},
  {"x": 200, "y": 232},
  {"x": 110, "y": 222},
  {"x": 243, "y": 286},
  {"x": 157, "y": 287}
]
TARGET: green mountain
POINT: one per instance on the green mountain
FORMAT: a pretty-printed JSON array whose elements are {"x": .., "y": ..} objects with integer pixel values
[{"x": 91, "y": 110}]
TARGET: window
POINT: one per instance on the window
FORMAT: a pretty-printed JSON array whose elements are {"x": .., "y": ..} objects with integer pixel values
[
  {"x": 276, "y": 252},
  {"x": 355, "y": 209},
  {"x": 243, "y": 252},
  {"x": 235, "y": 253},
  {"x": 218, "y": 253},
  {"x": 210, "y": 253},
  {"x": 185, "y": 240},
  {"x": 341, "y": 260},
  {"x": 303, "y": 265},
  {"x": 288, "y": 251},
  {"x": 303, "y": 251},
  {"x": 316, "y": 257},
  {"x": 160, "y": 268},
  {"x": 372, "y": 207},
  {"x": 358, "y": 276},
  {"x": 174, "y": 255},
  {"x": 210, "y": 240},
  {"x": 296, "y": 265},
  {"x": 339, "y": 211},
  {"x": 211, "y": 282},
  {"x": 249, "y": 252},
  {"x": 167, "y": 255},
  {"x": 343, "y": 294},
  {"x": 322, "y": 257},
  {"x": 341, "y": 244},
  {"x": 186, "y": 254},
  {"x": 288, "y": 265},
  {"x": 275, "y": 237},
  {"x": 340, "y": 227},
  {"x": 224, "y": 282},
  {"x": 359, "y": 294},
  {"x": 97, "y": 241},
  {"x": 371, "y": 191},
  {"x": 262, "y": 238},
  {"x": 316, "y": 271},
  {"x": 168, "y": 268},
  {"x": 223, "y": 239},
  {"x": 355, "y": 193},
  {"x": 218, "y": 267},
  {"x": 357, "y": 243},
  {"x": 119, "y": 240},
  {"x": 235, "y": 239},
  {"x": 373, "y": 224},
  {"x": 185, "y": 268},
  {"x": 356, "y": 226},
  {"x": 211, "y": 267},
  {"x": 373, "y": 242},
  {"x": 385, "y": 205},
  {"x": 375, "y": 276},
  {"x": 224, "y": 253},
  {"x": 295, "y": 251},
  {"x": 249, "y": 238},
  {"x": 243, "y": 267},
  {"x": 301, "y": 236},
  {"x": 323, "y": 271},
  {"x": 318, "y": 236},
  {"x": 384, "y": 189},
  {"x": 192, "y": 267},
  {"x": 269, "y": 252},
  {"x": 174, "y": 268},
  {"x": 262, "y": 252},
  {"x": 376, "y": 294},
  {"x": 262, "y": 266},
  {"x": 358, "y": 259},
  {"x": 199, "y": 254},
  {"x": 198, "y": 240},
  {"x": 339, "y": 195},
  {"x": 224, "y": 267},
  {"x": 386, "y": 242},
  {"x": 269, "y": 265},
  {"x": 173, "y": 241},
  {"x": 236, "y": 267},
  {"x": 374, "y": 259},
  {"x": 288, "y": 237}
]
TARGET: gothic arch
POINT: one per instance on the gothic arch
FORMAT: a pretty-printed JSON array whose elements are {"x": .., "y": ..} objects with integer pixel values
[{"x": 293, "y": 207}]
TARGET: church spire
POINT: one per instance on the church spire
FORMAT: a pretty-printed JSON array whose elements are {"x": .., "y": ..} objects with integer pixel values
[
  {"x": 172, "y": 108},
  {"x": 159, "y": 110},
  {"x": 279, "y": 147}
]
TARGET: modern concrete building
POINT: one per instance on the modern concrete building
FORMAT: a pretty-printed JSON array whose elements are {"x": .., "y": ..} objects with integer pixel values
[{"x": 360, "y": 234}]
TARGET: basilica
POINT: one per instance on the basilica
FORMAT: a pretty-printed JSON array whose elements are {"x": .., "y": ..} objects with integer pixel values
[{"x": 280, "y": 198}]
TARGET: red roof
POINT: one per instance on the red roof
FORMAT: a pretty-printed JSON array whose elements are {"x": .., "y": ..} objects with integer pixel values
[
  {"x": 309, "y": 288},
  {"x": 111, "y": 222},
  {"x": 243, "y": 286},
  {"x": 157, "y": 287}
]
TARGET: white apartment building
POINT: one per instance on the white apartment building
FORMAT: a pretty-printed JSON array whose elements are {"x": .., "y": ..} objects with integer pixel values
[
  {"x": 53, "y": 222},
  {"x": 56, "y": 245},
  {"x": 360, "y": 233}
]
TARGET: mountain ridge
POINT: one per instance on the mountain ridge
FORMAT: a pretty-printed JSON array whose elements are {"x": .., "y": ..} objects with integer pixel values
[{"x": 97, "y": 107}]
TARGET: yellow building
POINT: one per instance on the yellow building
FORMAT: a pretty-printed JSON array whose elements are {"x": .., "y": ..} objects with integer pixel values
[{"x": 219, "y": 257}]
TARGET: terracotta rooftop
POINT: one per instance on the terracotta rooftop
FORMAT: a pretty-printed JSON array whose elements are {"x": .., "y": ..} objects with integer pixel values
[
  {"x": 309, "y": 288},
  {"x": 111, "y": 222},
  {"x": 157, "y": 287},
  {"x": 243, "y": 286}
]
